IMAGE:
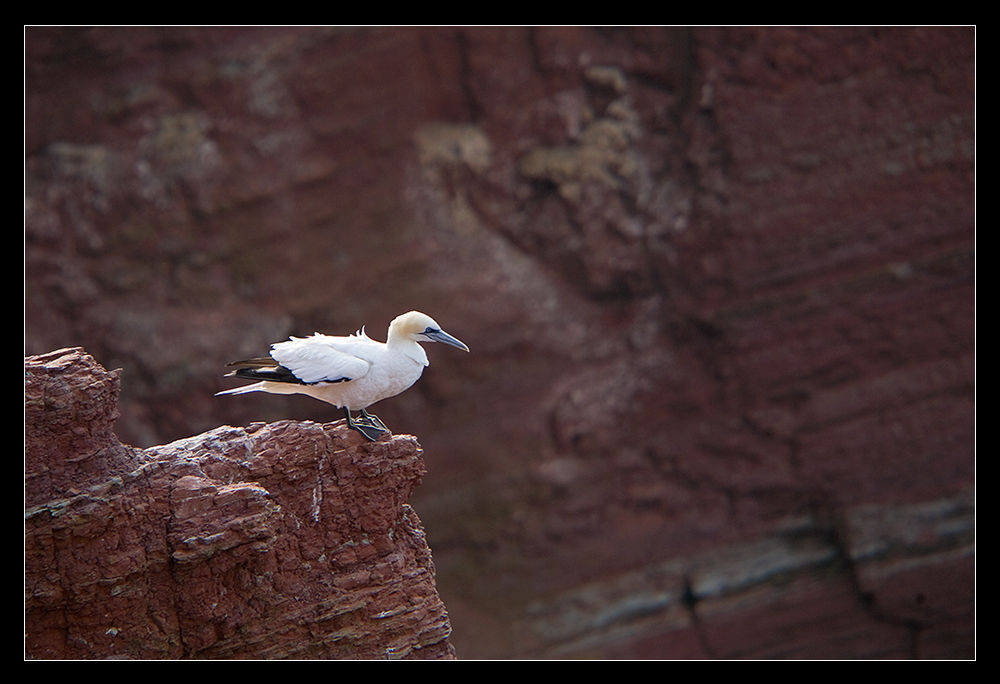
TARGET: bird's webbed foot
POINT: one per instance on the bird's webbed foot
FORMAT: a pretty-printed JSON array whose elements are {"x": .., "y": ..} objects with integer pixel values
[
  {"x": 368, "y": 425},
  {"x": 373, "y": 420}
]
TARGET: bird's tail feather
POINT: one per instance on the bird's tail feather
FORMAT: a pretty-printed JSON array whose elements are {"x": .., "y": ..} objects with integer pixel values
[{"x": 256, "y": 387}]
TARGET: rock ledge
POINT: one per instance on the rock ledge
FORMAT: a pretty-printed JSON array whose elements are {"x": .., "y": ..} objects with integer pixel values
[{"x": 283, "y": 540}]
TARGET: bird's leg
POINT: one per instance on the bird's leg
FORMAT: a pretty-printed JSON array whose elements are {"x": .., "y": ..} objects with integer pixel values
[
  {"x": 364, "y": 425},
  {"x": 374, "y": 420}
]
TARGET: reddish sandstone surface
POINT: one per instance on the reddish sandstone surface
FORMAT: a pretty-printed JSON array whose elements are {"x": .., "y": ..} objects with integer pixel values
[{"x": 288, "y": 540}]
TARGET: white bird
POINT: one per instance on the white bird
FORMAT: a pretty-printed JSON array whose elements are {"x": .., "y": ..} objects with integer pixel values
[{"x": 350, "y": 372}]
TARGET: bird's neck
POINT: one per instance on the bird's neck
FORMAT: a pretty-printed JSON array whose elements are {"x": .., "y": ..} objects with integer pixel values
[{"x": 407, "y": 346}]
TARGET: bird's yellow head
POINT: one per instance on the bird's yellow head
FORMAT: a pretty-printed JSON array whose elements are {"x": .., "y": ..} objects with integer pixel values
[{"x": 420, "y": 327}]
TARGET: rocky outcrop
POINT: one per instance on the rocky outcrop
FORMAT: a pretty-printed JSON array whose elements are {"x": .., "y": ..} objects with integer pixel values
[{"x": 282, "y": 540}]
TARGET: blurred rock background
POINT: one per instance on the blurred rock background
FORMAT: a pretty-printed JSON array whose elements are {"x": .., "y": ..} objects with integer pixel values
[{"x": 718, "y": 285}]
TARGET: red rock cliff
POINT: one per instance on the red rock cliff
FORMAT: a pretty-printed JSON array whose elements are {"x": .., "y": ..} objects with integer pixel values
[{"x": 287, "y": 540}]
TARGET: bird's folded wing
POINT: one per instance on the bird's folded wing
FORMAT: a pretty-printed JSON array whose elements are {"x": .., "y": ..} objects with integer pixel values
[{"x": 316, "y": 359}]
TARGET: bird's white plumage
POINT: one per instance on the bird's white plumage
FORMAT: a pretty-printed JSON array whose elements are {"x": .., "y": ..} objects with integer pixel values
[
  {"x": 322, "y": 358},
  {"x": 355, "y": 371}
]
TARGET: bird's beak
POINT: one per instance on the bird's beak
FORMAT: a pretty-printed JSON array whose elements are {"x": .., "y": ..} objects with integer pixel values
[{"x": 442, "y": 336}]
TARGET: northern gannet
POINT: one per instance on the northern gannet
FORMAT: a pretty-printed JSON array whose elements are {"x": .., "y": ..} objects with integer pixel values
[{"x": 350, "y": 372}]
